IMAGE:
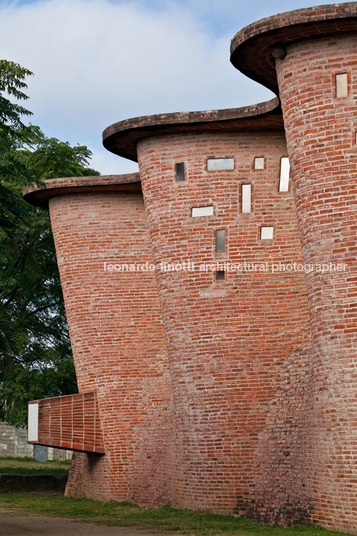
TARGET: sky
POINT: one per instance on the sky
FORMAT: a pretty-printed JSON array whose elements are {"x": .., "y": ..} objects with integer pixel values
[{"x": 96, "y": 62}]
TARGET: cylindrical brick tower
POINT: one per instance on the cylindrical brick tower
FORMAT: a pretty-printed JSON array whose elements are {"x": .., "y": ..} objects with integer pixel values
[
  {"x": 99, "y": 223},
  {"x": 235, "y": 337},
  {"x": 198, "y": 359},
  {"x": 315, "y": 75}
]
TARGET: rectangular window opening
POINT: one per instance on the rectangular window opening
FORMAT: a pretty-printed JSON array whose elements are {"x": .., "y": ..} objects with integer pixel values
[
  {"x": 246, "y": 198},
  {"x": 266, "y": 233},
  {"x": 341, "y": 82},
  {"x": 197, "y": 212},
  {"x": 284, "y": 174},
  {"x": 32, "y": 433},
  {"x": 220, "y": 275},
  {"x": 180, "y": 172},
  {"x": 220, "y": 164},
  {"x": 259, "y": 162},
  {"x": 221, "y": 241}
]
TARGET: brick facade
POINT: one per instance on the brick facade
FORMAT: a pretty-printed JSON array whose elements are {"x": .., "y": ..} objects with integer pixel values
[
  {"x": 116, "y": 334},
  {"x": 220, "y": 389},
  {"x": 324, "y": 167},
  {"x": 229, "y": 342}
]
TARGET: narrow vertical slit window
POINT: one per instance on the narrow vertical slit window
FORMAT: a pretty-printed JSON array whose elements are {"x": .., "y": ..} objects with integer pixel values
[
  {"x": 284, "y": 174},
  {"x": 220, "y": 275},
  {"x": 180, "y": 172},
  {"x": 341, "y": 82},
  {"x": 246, "y": 198},
  {"x": 221, "y": 241}
]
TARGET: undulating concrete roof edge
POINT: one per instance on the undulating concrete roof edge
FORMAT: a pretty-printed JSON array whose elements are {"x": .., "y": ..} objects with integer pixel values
[
  {"x": 39, "y": 195},
  {"x": 122, "y": 138},
  {"x": 251, "y": 47}
]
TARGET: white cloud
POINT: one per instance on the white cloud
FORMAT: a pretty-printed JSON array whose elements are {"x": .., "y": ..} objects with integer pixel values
[
  {"x": 97, "y": 62},
  {"x": 110, "y": 164}
]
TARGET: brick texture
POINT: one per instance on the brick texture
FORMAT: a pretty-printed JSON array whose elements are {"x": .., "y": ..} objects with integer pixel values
[
  {"x": 70, "y": 422},
  {"x": 236, "y": 394},
  {"x": 232, "y": 344},
  {"x": 321, "y": 134},
  {"x": 118, "y": 343}
]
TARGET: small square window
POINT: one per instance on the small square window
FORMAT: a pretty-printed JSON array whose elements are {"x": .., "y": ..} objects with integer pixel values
[
  {"x": 266, "y": 233},
  {"x": 259, "y": 162}
]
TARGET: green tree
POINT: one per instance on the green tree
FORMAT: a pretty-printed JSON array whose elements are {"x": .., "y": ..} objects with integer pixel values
[{"x": 35, "y": 353}]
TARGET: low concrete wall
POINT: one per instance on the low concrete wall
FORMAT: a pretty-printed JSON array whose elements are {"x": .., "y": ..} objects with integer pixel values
[{"x": 13, "y": 442}]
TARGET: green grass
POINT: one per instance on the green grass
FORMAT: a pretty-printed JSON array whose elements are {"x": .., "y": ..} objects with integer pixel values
[
  {"x": 161, "y": 520},
  {"x": 29, "y": 466},
  {"x": 129, "y": 515}
]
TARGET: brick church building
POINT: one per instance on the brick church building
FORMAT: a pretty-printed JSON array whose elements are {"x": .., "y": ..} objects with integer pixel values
[{"x": 212, "y": 297}]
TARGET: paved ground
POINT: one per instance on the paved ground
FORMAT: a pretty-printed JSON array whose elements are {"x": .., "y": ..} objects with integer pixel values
[{"x": 16, "y": 524}]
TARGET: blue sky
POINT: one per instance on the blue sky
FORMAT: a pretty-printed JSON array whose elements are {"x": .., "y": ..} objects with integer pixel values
[{"x": 96, "y": 62}]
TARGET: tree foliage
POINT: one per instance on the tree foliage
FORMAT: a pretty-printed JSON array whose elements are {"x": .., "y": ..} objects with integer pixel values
[{"x": 35, "y": 353}]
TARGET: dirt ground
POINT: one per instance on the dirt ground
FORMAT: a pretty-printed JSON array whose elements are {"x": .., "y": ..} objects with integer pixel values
[{"x": 14, "y": 523}]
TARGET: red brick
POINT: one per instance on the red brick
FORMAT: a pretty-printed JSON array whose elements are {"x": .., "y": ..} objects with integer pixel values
[
  {"x": 326, "y": 204},
  {"x": 209, "y": 394}
]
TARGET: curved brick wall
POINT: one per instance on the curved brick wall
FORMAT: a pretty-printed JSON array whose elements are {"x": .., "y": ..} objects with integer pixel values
[
  {"x": 256, "y": 421},
  {"x": 234, "y": 345},
  {"x": 321, "y": 133},
  {"x": 117, "y": 342}
]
